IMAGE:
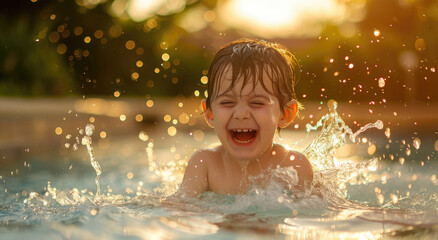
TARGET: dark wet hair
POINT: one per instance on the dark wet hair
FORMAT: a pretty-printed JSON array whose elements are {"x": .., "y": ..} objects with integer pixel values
[{"x": 250, "y": 59}]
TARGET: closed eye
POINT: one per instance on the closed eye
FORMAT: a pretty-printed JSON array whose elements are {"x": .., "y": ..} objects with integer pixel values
[
  {"x": 226, "y": 103},
  {"x": 257, "y": 103}
]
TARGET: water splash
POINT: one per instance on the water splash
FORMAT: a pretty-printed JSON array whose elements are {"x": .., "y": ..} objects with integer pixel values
[
  {"x": 86, "y": 140},
  {"x": 321, "y": 150},
  {"x": 320, "y": 153},
  {"x": 170, "y": 173},
  {"x": 74, "y": 196}
]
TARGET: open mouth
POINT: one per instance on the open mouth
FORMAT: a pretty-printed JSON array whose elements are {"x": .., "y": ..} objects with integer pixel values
[{"x": 243, "y": 136}]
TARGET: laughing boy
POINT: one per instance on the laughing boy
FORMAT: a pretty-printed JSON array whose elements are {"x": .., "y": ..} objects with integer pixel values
[{"x": 250, "y": 97}]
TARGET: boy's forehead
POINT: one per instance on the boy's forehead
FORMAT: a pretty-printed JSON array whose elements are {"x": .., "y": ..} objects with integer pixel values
[{"x": 244, "y": 86}]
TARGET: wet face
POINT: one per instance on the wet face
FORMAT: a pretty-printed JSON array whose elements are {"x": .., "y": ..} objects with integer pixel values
[{"x": 245, "y": 118}]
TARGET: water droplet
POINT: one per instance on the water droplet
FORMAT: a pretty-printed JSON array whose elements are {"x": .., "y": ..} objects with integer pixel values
[
  {"x": 401, "y": 160},
  {"x": 394, "y": 198},
  {"x": 143, "y": 136},
  {"x": 94, "y": 212},
  {"x": 378, "y": 124},
  {"x": 381, "y": 82},
  {"x": 89, "y": 129},
  {"x": 332, "y": 105},
  {"x": 380, "y": 198},
  {"x": 371, "y": 149},
  {"x": 376, "y": 32},
  {"x": 417, "y": 143},
  {"x": 388, "y": 132}
]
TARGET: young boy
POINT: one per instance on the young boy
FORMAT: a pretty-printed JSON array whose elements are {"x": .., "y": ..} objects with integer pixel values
[{"x": 250, "y": 97}]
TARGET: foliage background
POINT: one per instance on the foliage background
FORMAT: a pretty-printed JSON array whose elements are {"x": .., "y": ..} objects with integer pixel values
[{"x": 43, "y": 52}]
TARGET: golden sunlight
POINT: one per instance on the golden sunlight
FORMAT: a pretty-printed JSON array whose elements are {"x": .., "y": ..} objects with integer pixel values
[
  {"x": 139, "y": 10},
  {"x": 281, "y": 18}
]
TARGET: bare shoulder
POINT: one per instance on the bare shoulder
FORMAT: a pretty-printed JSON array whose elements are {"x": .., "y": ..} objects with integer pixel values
[
  {"x": 301, "y": 164},
  {"x": 205, "y": 155},
  {"x": 195, "y": 179}
]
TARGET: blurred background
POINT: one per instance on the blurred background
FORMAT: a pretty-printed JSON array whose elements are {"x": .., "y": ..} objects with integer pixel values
[
  {"x": 163, "y": 47},
  {"x": 142, "y": 64}
]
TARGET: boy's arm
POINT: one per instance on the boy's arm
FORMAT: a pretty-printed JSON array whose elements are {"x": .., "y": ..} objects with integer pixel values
[{"x": 195, "y": 179}]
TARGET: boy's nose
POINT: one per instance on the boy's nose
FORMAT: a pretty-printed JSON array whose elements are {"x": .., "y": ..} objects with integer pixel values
[{"x": 241, "y": 112}]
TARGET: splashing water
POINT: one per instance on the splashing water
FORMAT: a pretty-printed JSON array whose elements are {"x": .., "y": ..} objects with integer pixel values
[
  {"x": 86, "y": 140},
  {"x": 320, "y": 153},
  {"x": 74, "y": 196},
  {"x": 273, "y": 205},
  {"x": 321, "y": 150}
]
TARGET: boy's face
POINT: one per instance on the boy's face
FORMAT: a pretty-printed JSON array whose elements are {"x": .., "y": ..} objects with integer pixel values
[{"x": 245, "y": 118}]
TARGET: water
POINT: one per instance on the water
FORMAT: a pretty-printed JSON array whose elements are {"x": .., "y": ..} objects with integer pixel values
[{"x": 378, "y": 197}]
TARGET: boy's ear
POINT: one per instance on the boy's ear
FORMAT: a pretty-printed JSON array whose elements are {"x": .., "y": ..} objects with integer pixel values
[
  {"x": 290, "y": 110},
  {"x": 208, "y": 114}
]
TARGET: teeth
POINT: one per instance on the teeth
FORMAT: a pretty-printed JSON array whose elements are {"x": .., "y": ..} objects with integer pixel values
[
  {"x": 237, "y": 140},
  {"x": 243, "y": 130}
]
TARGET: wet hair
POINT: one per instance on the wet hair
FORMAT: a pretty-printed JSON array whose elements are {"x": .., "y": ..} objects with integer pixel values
[{"x": 249, "y": 59}]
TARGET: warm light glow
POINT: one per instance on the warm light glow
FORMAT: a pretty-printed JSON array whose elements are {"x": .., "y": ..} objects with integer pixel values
[
  {"x": 171, "y": 131},
  {"x": 139, "y": 117},
  {"x": 165, "y": 57},
  {"x": 58, "y": 131},
  {"x": 102, "y": 134},
  {"x": 195, "y": 19},
  {"x": 204, "y": 79},
  {"x": 143, "y": 136},
  {"x": 281, "y": 17},
  {"x": 184, "y": 118},
  {"x": 150, "y": 103},
  {"x": 87, "y": 39},
  {"x": 140, "y": 10},
  {"x": 130, "y": 45},
  {"x": 167, "y": 118}
]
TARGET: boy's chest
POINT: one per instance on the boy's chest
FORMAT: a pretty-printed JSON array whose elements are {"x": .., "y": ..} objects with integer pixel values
[
  {"x": 233, "y": 181},
  {"x": 223, "y": 182}
]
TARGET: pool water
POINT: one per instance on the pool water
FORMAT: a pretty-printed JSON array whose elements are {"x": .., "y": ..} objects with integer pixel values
[{"x": 374, "y": 197}]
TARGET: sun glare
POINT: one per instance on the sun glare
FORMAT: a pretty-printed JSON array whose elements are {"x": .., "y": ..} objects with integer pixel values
[{"x": 281, "y": 17}]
